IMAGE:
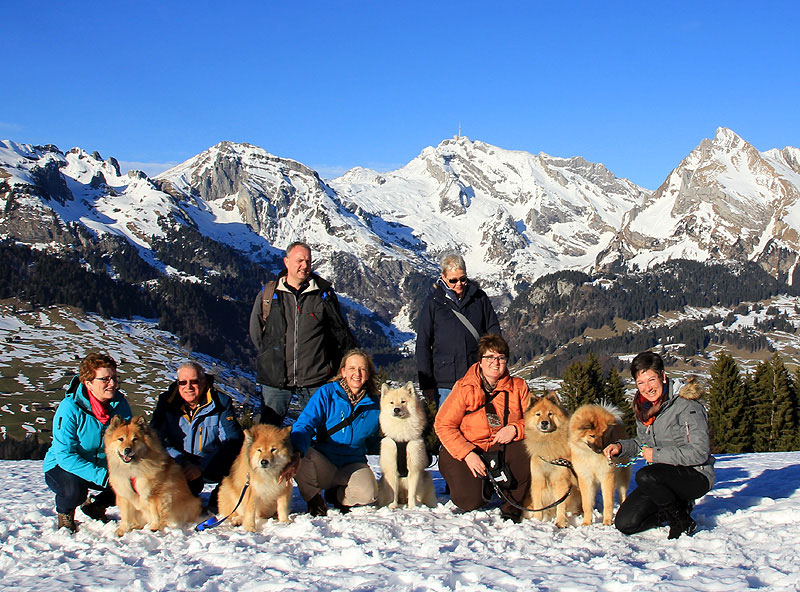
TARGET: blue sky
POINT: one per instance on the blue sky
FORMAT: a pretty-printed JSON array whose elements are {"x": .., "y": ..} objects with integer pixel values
[{"x": 634, "y": 85}]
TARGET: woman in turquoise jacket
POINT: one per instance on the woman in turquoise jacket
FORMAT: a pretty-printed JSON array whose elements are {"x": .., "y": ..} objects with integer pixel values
[
  {"x": 333, "y": 433},
  {"x": 76, "y": 461}
]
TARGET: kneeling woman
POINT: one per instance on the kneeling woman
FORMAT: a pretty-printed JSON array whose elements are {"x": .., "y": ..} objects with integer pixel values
[
  {"x": 333, "y": 433},
  {"x": 484, "y": 413},
  {"x": 672, "y": 433},
  {"x": 76, "y": 461}
]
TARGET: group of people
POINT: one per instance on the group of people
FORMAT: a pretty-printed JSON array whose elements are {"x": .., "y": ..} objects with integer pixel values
[{"x": 307, "y": 352}]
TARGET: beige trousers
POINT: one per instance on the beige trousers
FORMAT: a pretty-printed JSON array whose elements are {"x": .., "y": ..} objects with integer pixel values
[{"x": 356, "y": 481}]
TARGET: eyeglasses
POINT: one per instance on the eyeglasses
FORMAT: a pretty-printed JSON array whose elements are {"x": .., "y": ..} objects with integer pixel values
[
  {"x": 454, "y": 281},
  {"x": 193, "y": 382},
  {"x": 106, "y": 379},
  {"x": 493, "y": 359}
]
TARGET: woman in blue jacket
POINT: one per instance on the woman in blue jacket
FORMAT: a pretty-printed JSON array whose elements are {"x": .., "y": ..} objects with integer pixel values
[
  {"x": 76, "y": 461},
  {"x": 333, "y": 433}
]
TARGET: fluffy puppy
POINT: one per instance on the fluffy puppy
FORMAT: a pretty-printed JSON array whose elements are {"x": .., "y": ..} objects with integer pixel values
[
  {"x": 403, "y": 457},
  {"x": 265, "y": 453},
  {"x": 591, "y": 429},
  {"x": 546, "y": 439},
  {"x": 149, "y": 485}
]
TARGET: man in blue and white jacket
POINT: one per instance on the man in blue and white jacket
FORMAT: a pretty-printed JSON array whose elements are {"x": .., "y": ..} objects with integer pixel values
[{"x": 198, "y": 427}]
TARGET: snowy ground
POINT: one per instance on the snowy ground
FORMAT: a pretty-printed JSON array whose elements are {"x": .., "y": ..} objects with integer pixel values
[{"x": 748, "y": 539}]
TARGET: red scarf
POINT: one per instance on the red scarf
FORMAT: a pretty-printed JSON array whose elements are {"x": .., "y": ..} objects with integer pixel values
[
  {"x": 102, "y": 411},
  {"x": 644, "y": 410}
]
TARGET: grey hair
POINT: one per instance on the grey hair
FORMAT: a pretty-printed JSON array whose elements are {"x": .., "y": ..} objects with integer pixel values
[
  {"x": 292, "y": 246},
  {"x": 191, "y": 364},
  {"x": 452, "y": 262}
]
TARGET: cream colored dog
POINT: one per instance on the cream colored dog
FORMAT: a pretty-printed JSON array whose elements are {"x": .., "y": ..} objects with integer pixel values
[{"x": 403, "y": 457}]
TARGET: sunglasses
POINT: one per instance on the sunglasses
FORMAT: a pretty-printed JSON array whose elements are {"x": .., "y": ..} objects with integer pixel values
[
  {"x": 193, "y": 382},
  {"x": 454, "y": 281}
]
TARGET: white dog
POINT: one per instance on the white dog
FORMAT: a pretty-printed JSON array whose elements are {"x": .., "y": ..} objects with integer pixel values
[{"x": 403, "y": 457}]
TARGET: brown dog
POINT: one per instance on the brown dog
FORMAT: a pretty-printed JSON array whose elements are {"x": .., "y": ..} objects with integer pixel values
[
  {"x": 265, "y": 453},
  {"x": 150, "y": 486},
  {"x": 546, "y": 431},
  {"x": 591, "y": 429}
]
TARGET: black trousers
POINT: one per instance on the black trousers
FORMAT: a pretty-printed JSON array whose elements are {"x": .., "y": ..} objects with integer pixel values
[
  {"x": 467, "y": 491},
  {"x": 218, "y": 468},
  {"x": 71, "y": 490},
  {"x": 658, "y": 487}
]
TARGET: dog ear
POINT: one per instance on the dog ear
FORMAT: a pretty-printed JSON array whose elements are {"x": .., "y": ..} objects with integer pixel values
[
  {"x": 248, "y": 437},
  {"x": 410, "y": 388},
  {"x": 286, "y": 431},
  {"x": 116, "y": 421},
  {"x": 140, "y": 421},
  {"x": 384, "y": 389}
]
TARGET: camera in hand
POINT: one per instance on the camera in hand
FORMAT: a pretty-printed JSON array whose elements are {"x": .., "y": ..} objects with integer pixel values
[{"x": 497, "y": 470}]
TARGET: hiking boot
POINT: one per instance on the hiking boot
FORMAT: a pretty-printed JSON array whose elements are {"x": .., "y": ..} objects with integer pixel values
[
  {"x": 213, "y": 501},
  {"x": 488, "y": 489},
  {"x": 511, "y": 516},
  {"x": 67, "y": 521},
  {"x": 317, "y": 506},
  {"x": 333, "y": 499},
  {"x": 679, "y": 521},
  {"x": 95, "y": 511}
]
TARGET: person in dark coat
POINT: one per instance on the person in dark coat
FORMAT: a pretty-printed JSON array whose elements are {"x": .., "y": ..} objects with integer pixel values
[
  {"x": 198, "y": 427},
  {"x": 446, "y": 346},
  {"x": 300, "y": 334}
]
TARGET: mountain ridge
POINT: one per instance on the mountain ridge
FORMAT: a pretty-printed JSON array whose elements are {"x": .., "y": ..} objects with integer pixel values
[{"x": 514, "y": 215}]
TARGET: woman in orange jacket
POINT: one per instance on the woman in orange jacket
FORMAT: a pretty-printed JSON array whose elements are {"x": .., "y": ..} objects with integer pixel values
[{"x": 483, "y": 415}]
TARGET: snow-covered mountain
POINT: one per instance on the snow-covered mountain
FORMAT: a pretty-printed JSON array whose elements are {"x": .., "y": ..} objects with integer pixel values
[
  {"x": 514, "y": 215},
  {"x": 725, "y": 200}
]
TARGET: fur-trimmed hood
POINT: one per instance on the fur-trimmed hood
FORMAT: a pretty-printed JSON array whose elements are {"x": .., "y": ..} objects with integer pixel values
[{"x": 692, "y": 389}]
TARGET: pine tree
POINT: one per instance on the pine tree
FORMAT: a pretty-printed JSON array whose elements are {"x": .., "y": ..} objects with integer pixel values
[
  {"x": 761, "y": 406},
  {"x": 784, "y": 421},
  {"x": 594, "y": 373},
  {"x": 582, "y": 383},
  {"x": 797, "y": 405},
  {"x": 615, "y": 394},
  {"x": 574, "y": 384},
  {"x": 727, "y": 422}
]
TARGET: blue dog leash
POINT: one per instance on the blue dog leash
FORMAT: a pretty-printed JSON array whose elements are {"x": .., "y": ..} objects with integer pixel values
[{"x": 213, "y": 522}]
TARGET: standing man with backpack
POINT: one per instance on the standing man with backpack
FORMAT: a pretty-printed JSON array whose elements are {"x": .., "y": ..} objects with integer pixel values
[{"x": 300, "y": 334}]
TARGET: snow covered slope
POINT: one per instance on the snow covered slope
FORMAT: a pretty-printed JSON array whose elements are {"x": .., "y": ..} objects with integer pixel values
[{"x": 747, "y": 540}]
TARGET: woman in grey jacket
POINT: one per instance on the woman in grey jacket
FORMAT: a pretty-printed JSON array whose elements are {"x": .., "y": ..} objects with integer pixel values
[{"x": 672, "y": 434}]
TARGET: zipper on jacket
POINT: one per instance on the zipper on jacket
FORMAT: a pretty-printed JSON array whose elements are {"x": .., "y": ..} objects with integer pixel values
[
  {"x": 687, "y": 431},
  {"x": 296, "y": 331},
  {"x": 199, "y": 439}
]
